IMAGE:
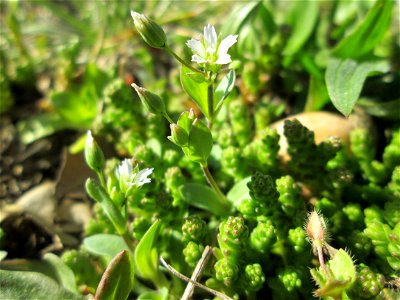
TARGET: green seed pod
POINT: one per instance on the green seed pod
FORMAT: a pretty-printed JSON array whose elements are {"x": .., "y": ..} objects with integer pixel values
[
  {"x": 93, "y": 154},
  {"x": 151, "y": 101},
  {"x": 151, "y": 32}
]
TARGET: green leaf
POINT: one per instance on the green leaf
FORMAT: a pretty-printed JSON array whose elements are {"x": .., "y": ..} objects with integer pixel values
[
  {"x": 117, "y": 280},
  {"x": 368, "y": 33},
  {"x": 40, "y": 126},
  {"x": 78, "y": 108},
  {"x": 305, "y": 15},
  {"x": 388, "y": 110},
  {"x": 345, "y": 78},
  {"x": 31, "y": 285},
  {"x": 63, "y": 274},
  {"x": 223, "y": 89},
  {"x": 342, "y": 274},
  {"x": 203, "y": 197},
  {"x": 200, "y": 143},
  {"x": 146, "y": 256},
  {"x": 105, "y": 244},
  {"x": 196, "y": 90},
  {"x": 161, "y": 294},
  {"x": 239, "y": 192},
  {"x": 240, "y": 16},
  {"x": 51, "y": 266}
]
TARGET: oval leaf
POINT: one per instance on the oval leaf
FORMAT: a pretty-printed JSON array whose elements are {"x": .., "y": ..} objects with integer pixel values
[
  {"x": 105, "y": 244},
  {"x": 203, "y": 197},
  {"x": 146, "y": 256},
  {"x": 200, "y": 143},
  {"x": 31, "y": 285},
  {"x": 198, "y": 91},
  {"x": 345, "y": 78},
  {"x": 239, "y": 192}
]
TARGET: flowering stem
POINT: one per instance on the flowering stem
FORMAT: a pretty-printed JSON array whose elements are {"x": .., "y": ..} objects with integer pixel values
[
  {"x": 321, "y": 259},
  {"x": 168, "y": 118},
  {"x": 214, "y": 185},
  {"x": 102, "y": 180},
  {"x": 170, "y": 51}
]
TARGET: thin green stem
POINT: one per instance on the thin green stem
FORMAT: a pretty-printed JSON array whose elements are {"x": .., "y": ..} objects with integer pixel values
[
  {"x": 170, "y": 51},
  {"x": 168, "y": 118},
  {"x": 102, "y": 179},
  {"x": 214, "y": 185}
]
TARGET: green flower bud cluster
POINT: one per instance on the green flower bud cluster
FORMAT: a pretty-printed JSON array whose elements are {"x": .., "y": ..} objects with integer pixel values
[
  {"x": 298, "y": 239},
  {"x": 232, "y": 237},
  {"x": 226, "y": 271},
  {"x": 391, "y": 153},
  {"x": 363, "y": 149},
  {"x": 240, "y": 122},
  {"x": 307, "y": 159},
  {"x": 231, "y": 162},
  {"x": 263, "y": 236},
  {"x": 290, "y": 278},
  {"x": 289, "y": 195},
  {"x": 253, "y": 279},
  {"x": 192, "y": 253},
  {"x": 360, "y": 245},
  {"x": 355, "y": 214},
  {"x": 194, "y": 229},
  {"x": 368, "y": 284},
  {"x": 262, "y": 153},
  {"x": 386, "y": 241},
  {"x": 394, "y": 184}
]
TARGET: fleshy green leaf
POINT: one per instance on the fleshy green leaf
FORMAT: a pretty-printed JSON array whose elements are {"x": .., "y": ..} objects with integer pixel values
[
  {"x": 224, "y": 88},
  {"x": 31, "y": 285},
  {"x": 305, "y": 15},
  {"x": 368, "y": 33},
  {"x": 146, "y": 256},
  {"x": 117, "y": 280},
  {"x": 105, "y": 244},
  {"x": 203, "y": 197},
  {"x": 345, "y": 78},
  {"x": 200, "y": 143},
  {"x": 196, "y": 90}
]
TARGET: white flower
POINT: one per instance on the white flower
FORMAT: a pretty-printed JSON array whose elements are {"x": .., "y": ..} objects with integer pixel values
[
  {"x": 130, "y": 177},
  {"x": 210, "y": 49}
]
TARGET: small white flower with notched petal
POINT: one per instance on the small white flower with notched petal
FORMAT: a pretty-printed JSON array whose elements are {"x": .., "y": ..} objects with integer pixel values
[
  {"x": 210, "y": 49},
  {"x": 130, "y": 177}
]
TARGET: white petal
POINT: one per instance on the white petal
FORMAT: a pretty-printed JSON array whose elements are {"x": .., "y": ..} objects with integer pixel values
[
  {"x": 141, "y": 177},
  {"x": 198, "y": 59},
  {"x": 223, "y": 59},
  {"x": 226, "y": 44},
  {"x": 210, "y": 37},
  {"x": 196, "y": 46}
]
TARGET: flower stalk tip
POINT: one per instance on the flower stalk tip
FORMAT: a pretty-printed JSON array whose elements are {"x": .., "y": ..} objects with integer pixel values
[
  {"x": 151, "y": 32},
  {"x": 93, "y": 154}
]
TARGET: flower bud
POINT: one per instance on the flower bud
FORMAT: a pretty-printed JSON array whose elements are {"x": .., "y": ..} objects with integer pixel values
[
  {"x": 178, "y": 136},
  {"x": 153, "y": 102},
  {"x": 93, "y": 154},
  {"x": 151, "y": 32}
]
